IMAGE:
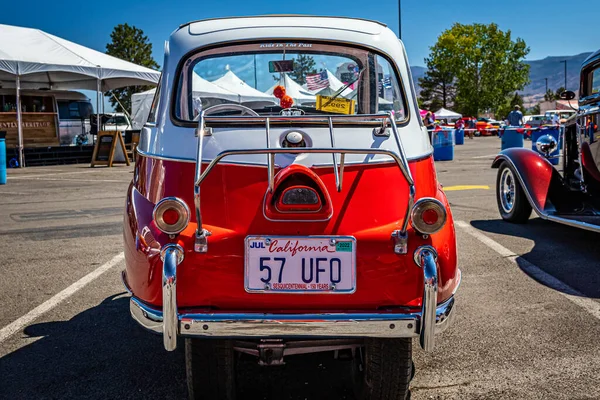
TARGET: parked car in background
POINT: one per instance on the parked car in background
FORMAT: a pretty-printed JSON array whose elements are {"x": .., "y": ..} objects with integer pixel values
[
  {"x": 570, "y": 195},
  {"x": 533, "y": 121},
  {"x": 117, "y": 122},
  {"x": 244, "y": 233},
  {"x": 563, "y": 115},
  {"x": 487, "y": 126}
]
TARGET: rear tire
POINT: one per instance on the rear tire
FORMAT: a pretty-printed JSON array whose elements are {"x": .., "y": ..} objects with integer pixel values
[
  {"x": 383, "y": 369},
  {"x": 512, "y": 202},
  {"x": 210, "y": 369}
]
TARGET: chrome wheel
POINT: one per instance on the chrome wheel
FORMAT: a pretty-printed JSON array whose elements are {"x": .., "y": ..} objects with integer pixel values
[{"x": 507, "y": 190}]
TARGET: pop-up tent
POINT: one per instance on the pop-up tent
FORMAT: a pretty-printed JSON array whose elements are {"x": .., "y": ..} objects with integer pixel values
[
  {"x": 33, "y": 59},
  {"x": 247, "y": 94},
  {"x": 443, "y": 113},
  {"x": 140, "y": 107},
  {"x": 208, "y": 92},
  {"x": 294, "y": 90}
]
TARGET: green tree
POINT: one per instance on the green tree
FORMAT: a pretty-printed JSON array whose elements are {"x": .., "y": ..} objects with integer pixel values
[
  {"x": 487, "y": 65},
  {"x": 508, "y": 106},
  {"x": 303, "y": 65},
  {"x": 535, "y": 110},
  {"x": 437, "y": 86},
  {"x": 559, "y": 91},
  {"x": 130, "y": 44},
  {"x": 550, "y": 95}
]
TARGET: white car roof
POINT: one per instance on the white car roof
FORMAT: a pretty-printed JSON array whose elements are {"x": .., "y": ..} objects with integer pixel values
[{"x": 284, "y": 20}]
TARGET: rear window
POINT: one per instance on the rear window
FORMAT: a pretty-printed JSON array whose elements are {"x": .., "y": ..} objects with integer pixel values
[{"x": 283, "y": 78}]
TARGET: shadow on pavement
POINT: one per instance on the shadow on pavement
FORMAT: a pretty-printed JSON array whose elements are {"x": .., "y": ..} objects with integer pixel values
[
  {"x": 101, "y": 353},
  {"x": 570, "y": 255}
]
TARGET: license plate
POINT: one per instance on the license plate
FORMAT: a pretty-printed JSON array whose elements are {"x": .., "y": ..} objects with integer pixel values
[{"x": 316, "y": 264}]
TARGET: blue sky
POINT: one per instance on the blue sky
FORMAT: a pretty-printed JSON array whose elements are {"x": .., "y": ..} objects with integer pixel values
[{"x": 550, "y": 27}]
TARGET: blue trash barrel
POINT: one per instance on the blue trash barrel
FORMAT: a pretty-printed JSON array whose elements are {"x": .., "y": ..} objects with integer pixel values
[
  {"x": 443, "y": 145},
  {"x": 554, "y": 132},
  {"x": 459, "y": 136},
  {"x": 511, "y": 137},
  {"x": 3, "y": 158}
]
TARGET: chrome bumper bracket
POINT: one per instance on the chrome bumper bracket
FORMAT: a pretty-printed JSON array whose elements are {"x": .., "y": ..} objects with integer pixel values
[{"x": 430, "y": 320}]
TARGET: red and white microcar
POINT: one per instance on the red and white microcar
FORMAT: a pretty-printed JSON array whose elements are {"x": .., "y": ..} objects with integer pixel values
[{"x": 285, "y": 201}]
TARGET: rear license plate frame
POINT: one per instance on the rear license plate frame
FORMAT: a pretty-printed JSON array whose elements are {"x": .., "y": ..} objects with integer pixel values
[{"x": 327, "y": 238}]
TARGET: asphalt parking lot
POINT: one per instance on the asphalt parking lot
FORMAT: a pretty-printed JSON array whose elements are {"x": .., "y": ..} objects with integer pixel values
[{"x": 527, "y": 327}]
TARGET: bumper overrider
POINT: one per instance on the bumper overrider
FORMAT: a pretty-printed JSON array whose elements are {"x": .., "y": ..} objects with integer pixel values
[{"x": 433, "y": 318}]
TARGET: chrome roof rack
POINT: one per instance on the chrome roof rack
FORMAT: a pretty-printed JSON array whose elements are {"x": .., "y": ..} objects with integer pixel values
[{"x": 201, "y": 245}]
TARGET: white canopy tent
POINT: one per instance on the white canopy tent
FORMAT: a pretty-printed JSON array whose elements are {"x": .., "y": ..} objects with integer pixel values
[
  {"x": 140, "y": 107},
  {"x": 33, "y": 59},
  {"x": 247, "y": 94},
  {"x": 443, "y": 113},
  {"x": 141, "y": 102},
  {"x": 294, "y": 90}
]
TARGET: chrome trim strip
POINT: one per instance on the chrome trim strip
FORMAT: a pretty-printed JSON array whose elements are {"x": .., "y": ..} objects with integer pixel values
[
  {"x": 172, "y": 256},
  {"x": 124, "y": 283},
  {"x": 427, "y": 258},
  {"x": 264, "y": 325}
]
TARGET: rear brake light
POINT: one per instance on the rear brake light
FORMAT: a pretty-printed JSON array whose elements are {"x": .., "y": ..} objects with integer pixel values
[
  {"x": 428, "y": 215},
  {"x": 299, "y": 198},
  {"x": 171, "y": 215}
]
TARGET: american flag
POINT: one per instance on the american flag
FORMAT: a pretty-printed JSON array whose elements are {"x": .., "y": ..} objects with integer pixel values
[
  {"x": 317, "y": 81},
  {"x": 384, "y": 83}
]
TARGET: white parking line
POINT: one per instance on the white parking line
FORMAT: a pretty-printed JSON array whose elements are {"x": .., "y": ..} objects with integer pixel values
[
  {"x": 80, "y": 180},
  {"x": 58, "y": 298},
  {"x": 534, "y": 271},
  {"x": 487, "y": 156},
  {"x": 25, "y": 176}
]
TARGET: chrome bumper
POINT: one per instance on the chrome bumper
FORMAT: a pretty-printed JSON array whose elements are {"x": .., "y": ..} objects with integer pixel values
[{"x": 432, "y": 318}]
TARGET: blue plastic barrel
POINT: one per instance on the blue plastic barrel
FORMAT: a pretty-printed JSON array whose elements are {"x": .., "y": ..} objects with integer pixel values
[
  {"x": 2, "y": 158},
  {"x": 554, "y": 132},
  {"x": 459, "y": 136},
  {"x": 443, "y": 145},
  {"x": 511, "y": 137}
]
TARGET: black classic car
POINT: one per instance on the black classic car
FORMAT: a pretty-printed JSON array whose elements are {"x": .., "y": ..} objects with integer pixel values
[{"x": 570, "y": 193}]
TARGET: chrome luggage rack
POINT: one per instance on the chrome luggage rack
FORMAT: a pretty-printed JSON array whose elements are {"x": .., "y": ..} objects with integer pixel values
[{"x": 400, "y": 236}]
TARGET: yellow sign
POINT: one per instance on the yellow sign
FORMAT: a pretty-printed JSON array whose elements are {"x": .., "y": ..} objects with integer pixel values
[
  {"x": 338, "y": 105},
  {"x": 465, "y": 187}
]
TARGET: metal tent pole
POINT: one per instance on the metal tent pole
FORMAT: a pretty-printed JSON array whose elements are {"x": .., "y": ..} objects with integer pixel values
[
  {"x": 98, "y": 88},
  {"x": 19, "y": 122}
]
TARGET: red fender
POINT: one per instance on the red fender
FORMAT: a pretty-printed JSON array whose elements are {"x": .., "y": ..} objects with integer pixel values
[{"x": 534, "y": 173}]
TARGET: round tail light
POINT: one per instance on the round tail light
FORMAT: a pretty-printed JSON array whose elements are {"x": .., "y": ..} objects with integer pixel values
[
  {"x": 171, "y": 215},
  {"x": 428, "y": 215}
]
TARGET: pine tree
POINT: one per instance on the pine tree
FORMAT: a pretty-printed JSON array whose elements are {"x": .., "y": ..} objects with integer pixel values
[{"x": 130, "y": 44}]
